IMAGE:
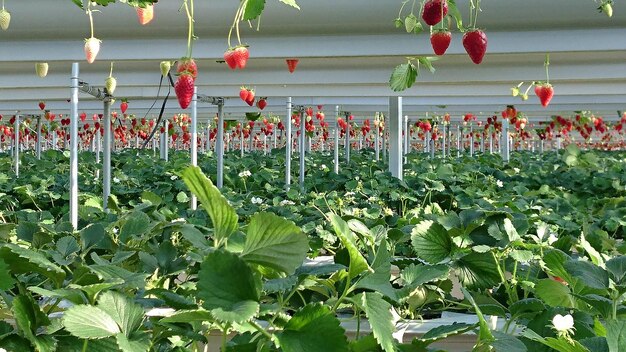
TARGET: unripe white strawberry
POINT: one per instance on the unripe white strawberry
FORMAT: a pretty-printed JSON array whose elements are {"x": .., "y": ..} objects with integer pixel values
[
  {"x": 165, "y": 67},
  {"x": 92, "y": 47},
  {"x": 110, "y": 84},
  {"x": 41, "y": 68},
  {"x": 5, "y": 19}
]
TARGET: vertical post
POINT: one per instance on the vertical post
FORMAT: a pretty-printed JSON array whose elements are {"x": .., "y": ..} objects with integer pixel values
[
  {"x": 444, "y": 141},
  {"x": 347, "y": 139},
  {"x": 426, "y": 142},
  {"x": 288, "y": 144},
  {"x": 166, "y": 143},
  {"x": 97, "y": 145},
  {"x": 219, "y": 146},
  {"x": 504, "y": 141},
  {"x": 431, "y": 142},
  {"x": 302, "y": 145},
  {"x": 38, "y": 145},
  {"x": 194, "y": 139},
  {"x": 377, "y": 137},
  {"x": 74, "y": 147},
  {"x": 384, "y": 146},
  {"x": 395, "y": 137},
  {"x": 406, "y": 137},
  {"x": 241, "y": 141},
  {"x": 472, "y": 141},
  {"x": 558, "y": 143},
  {"x": 106, "y": 160},
  {"x": 458, "y": 141},
  {"x": 541, "y": 146},
  {"x": 490, "y": 142},
  {"x": 336, "y": 159},
  {"x": 16, "y": 144}
]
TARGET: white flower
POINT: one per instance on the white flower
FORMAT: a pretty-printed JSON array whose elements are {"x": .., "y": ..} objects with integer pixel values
[
  {"x": 2, "y": 350},
  {"x": 324, "y": 167},
  {"x": 499, "y": 183},
  {"x": 173, "y": 177},
  {"x": 563, "y": 323},
  {"x": 179, "y": 220},
  {"x": 116, "y": 180},
  {"x": 256, "y": 200},
  {"x": 115, "y": 231},
  {"x": 349, "y": 194},
  {"x": 516, "y": 170},
  {"x": 159, "y": 312},
  {"x": 387, "y": 211},
  {"x": 552, "y": 238},
  {"x": 245, "y": 174},
  {"x": 286, "y": 202}
]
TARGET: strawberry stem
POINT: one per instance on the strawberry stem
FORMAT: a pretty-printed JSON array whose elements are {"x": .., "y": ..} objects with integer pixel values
[
  {"x": 190, "y": 33},
  {"x": 90, "y": 19},
  {"x": 111, "y": 72},
  {"x": 547, "y": 64},
  {"x": 235, "y": 24}
]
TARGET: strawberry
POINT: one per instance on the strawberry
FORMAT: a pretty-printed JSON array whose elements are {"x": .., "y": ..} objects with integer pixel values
[
  {"x": 188, "y": 65},
  {"x": 241, "y": 55},
  {"x": 606, "y": 8},
  {"x": 5, "y": 19},
  {"x": 545, "y": 92},
  {"x": 124, "y": 106},
  {"x": 434, "y": 11},
  {"x": 42, "y": 105},
  {"x": 41, "y": 68},
  {"x": 165, "y": 67},
  {"x": 145, "y": 14},
  {"x": 110, "y": 84},
  {"x": 184, "y": 89},
  {"x": 83, "y": 116},
  {"x": 262, "y": 103},
  {"x": 440, "y": 40},
  {"x": 475, "y": 44},
  {"x": 250, "y": 98},
  {"x": 291, "y": 64},
  {"x": 243, "y": 93},
  {"x": 229, "y": 57},
  {"x": 92, "y": 47}
]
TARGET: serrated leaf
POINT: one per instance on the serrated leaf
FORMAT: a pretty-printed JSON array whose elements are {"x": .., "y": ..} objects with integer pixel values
[
  {"x": 589, "y": 274},
  {"x": 431, "y": 242},
  {"x": 508, "y": 343},
  {"x": 127, "y": 314},
  {"x": 380, "y": 318},
  {"x": 554, "y": 293},
  {"x": 280, "y": 285},
  {"x": 226, "y": 285},
  {"x": 253, "y": 9},
  {"x": 617, "y": 268},
  {"x": 137, "y": 342},
  {"x": 28, "y": 316},
  {"x": 89, "y": 322},
  {"x": 403, "y": 77},
  {"x": 427, "y": 61},
  {"x": 616, "y": 335},
  {"x": 188, "y": 316},
  {"x": 419, "y": 274},
  {"x": 136, "y": 224},
  {"x": 291, "y": 3},
  {"x": 312, "y": 329},
  {"x": 21, "y": 260},
  {"x": 358, "y": 264},
  {"x": 6, "y": 280},
  {"x": 223, "y": 216},
  {"x": 275, "y": 242},
  {"x": 510, "y": 230},
  {"x": 477, "y": 270}
]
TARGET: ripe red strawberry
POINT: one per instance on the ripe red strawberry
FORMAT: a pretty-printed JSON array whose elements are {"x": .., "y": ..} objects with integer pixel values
[
  {"x": 434, "y": 11},
  {"x": 42, "y": 105},
  {"x": 145, "y": 14},
  {"x": 440, "y": 41},
  {"x": 545, "y": 92},
  {"x": 187, "y": 65},
  {"x": 184, "y": 89},
  {"x": 475, "y": 44},
  {"x": 83, "y": 117},
  {"x": 291, "y": 64},
  {"x": 92, "y": 47},
  {"x": 262, "y": 103},
  {"x": 124, "y": 106},
  {"x": 250, "y": 98},
  {"x": 243, "y": 93},
  {"x": 240, "y": 56},
  {"x": 229, "y": 57}
]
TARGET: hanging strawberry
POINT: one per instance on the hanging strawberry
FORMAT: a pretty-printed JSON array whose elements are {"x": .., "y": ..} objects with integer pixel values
[
  {"x": 291, "y": 64},
  {"x": 41, "y": 68},
  {"x": 5, "y": 18},
  {"x": 475, "y": 40},
  {"x": 544, "y": 90},
  {"x": 110, "y": 83},
  {"x": 187, "y": 68}
]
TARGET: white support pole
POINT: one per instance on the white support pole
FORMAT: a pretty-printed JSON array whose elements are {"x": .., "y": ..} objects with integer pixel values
[
  {"x": 194, "y": 139},
  {"x": 431, "y": 142},
  {"x": 73, "y": 215},
  {"x": 38, "y": 145},
  {"x": 347, "y": 140},
  {"x": 490, "y": 142},
  {"x": 336, "y": 156},
  {"x": 166, "y": 143},
  {"x": 458, "y": 141},
  {"x": 16, "y": 145},
  {"x": 406, "y": 137},
  {"x": 471, "y": 141},
  {"x": 443, "y": 141},
  {"x": 504, "y": 141},
  {"x": 241, "y": 141},
  {"x": 219, "y": 146},
  {"x": 541, "y": 146},
  {"x": 288, "y": 144},
  {"x": 302, "y": 146},
  {"x": 395, "y": 137},
  {"x": 377, "y": 138},
  {"x": 106, "y": 160}
]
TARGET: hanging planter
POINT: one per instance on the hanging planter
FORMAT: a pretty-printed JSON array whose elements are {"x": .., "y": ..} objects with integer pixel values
[{"x": 292, "y": 64}]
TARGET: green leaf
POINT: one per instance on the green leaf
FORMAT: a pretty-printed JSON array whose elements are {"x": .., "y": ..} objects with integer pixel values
[
  {"x": 484, "y": 334},
  {"x": 253, "y": 9},
  {"x": 275, "y": 242},
  {"x": 91, "y": 235},
  {"x": 616, "y": 335},
  {"x": 358, "y": 264},
  {"x": 89, "y": 322},
  {"x": 416, "y": 275},
  {"x": 617, "y": 268},
  {"x": 510, "y": 230},
  {"x": 379, "y": 280},
  {"x": 182, "y": 197},
  {"x": 431, "y": 242},
  {"x": 589, "y": 274},
  {"x": 454, "y": 12},
  {"x": 137, "y": 342},
  {"x": 28, "y": 316},
  {"x": 526, "y": 307},
  {"x": 137, "y": 224},
  {"x": 228, "y": 287},
  {"x": 67, "y": 245},
  {"x": 427, "y": 62},
  {"x": 21, "y": 260},
  {"x": 291, "y": 3},
  {"x": 403, "y": 77},
  {"x": 6, "y": 280},
  {"x": 554, "y": 293},
  {"x": 188, "y": 316},
  {"x": 508, "y": 343},
  {"x": 127, "y": 314},
  {"x": 380, "y": 318},
  {"x": 313, "y": 329},
  {"x": 222, "y": 215}
]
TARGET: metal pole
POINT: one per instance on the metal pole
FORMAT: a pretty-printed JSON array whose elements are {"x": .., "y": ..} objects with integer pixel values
[
  {"x": 490, "y": 143},
  {"x": 38, "y": 145},
  {"x": 471, "y": 141},
  {"x": 347, "y": 140},
  {"x": 106, "y": 154},
  {"x": 16, "y": 145},
  {"x": 288, "y": 144},
  {"x": 302, "y": 145},
  {"x": 384, "y": 146},
  {"x": 504, "y": 140},
  {"x": 241, "y": 141},
  {"x": 336, "y": 158},
  {"x": 166, "y": 143},
  {"x": 443, "y": 141},
  {"x": 406, "y": 137},
  {"x": 220, "y": 143},
  {"x": 458, "y": 141},
  {"x": 377, "y": 138},
  {"x": 395, "y": 137},
  {"x": 74, "y": 147},
  {"x": 194, "y": 139},
  {"x": 541, "y": 146}
]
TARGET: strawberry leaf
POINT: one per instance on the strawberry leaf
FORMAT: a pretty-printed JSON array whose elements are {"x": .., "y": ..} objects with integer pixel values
[
  {"x": 454, "y": 12},
  {"x": 403, "y": 77},
  {"x": 253, "y": 9},
  {"x": 291, "y": 3}
]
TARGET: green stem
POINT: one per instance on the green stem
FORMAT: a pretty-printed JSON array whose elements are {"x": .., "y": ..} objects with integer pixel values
[
  {"x": 90, "y": 20},
  {"x": 230, "y": 32},
  {"x": 260, "y": 329},
  {"x": 547, "y": 64},
  {"x": 190, "y": 30},
  {"x": 346, "y": 290},
  {"x": 111, "y": 72},
  {"x": 239, "y": 19},
  {"x": 85, "y": 345}
]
